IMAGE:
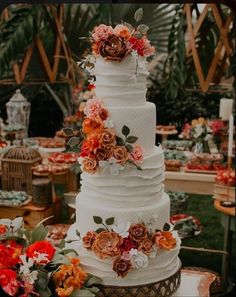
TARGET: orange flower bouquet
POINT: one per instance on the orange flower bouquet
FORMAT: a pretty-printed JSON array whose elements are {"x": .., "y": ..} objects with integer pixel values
[{"x": 32, "y": 266}]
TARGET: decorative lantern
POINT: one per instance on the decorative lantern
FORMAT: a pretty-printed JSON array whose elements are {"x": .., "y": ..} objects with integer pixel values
[{"x": 18, "y": 111}]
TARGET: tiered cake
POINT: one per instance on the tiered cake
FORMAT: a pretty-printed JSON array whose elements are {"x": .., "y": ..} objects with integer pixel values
[{"x": 120, "y": 214}]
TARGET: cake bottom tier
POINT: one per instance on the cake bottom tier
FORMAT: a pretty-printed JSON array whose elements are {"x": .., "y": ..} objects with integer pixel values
[
  {"x": 163, "y": 266},
  {"x": 164, "y": 288}
]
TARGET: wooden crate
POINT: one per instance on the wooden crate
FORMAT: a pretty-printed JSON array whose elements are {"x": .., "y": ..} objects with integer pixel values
[
  {"x": 224, "y": 193},
  {"x": 17, "y": 166},
  {"x": 32, "y": 214}
]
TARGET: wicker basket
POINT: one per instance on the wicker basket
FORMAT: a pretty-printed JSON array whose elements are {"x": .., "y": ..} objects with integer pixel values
[
  {"x": 17, "y": 166},
  {"x": 163, "y": 288}
]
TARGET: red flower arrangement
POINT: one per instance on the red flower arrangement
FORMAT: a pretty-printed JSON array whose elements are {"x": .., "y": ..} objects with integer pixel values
[
  {"x": 114, "y": 44},
  {"x": 29, "y": 263},
  {"x": 130, "y": 245}
]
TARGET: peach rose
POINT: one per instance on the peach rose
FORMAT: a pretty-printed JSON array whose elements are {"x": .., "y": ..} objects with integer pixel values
[
  {"x": 145, "y": 246},
  {"x": 138, "y": 232},
  {"x": 89, "y": 165},
  {"x": 164, "y": 240},
  {"x": 107, "y": 138},
  {"x": 107, "y": 244},
  {"x": 122, "y": 266},
  {"x": 148, "y": 49},
  {"x": 93, "y": 107},
  {"x": 121, "y": 154},
  {"x": 91, "y": 126},
  {"x": 122, "y": 31},
  {"x": 90, "y": 146},
  {"x": 137, "y": 154},
  {"x": 88, "y": 239},
  {"x": 102, "y": 32}
]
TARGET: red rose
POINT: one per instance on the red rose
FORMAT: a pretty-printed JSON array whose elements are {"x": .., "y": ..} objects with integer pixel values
[
  {"x": 3, "y": 229},
  {"x": 40, "y": 249},
  {"x": 8, "y": 281},
  {"x": 9, "y": 254},
  {"x": 127, "y": 245},
  {"x": 137, "y": 44}
]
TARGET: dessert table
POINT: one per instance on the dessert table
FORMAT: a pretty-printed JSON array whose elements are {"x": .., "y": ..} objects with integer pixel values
[
  {"x": 228, "y": 222},
  {"x": 196, "y": 183},
  {"x": 195, "y": 283}
]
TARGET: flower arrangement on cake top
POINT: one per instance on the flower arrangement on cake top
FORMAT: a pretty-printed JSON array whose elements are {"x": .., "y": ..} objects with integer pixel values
[
  {"x": 114, "y": 44},
  {"x": 129, "y": 245},
  {"x": 100, "y": 147},
  {"x": 32, "y": 266}
]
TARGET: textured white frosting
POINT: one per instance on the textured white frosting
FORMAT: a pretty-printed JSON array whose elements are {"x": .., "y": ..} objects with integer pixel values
[
  {"x": 121, "y": 83},
  {"x": 133, "y": 195},
  {"x": 140, "y": 119},
  {"x": 165, "y": 264}
]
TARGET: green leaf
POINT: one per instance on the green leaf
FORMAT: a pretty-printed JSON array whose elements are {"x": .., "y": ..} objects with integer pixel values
[
  {"x": 39, "y": 233},
  {"x": 131, "y": 139},
  {"x": 125, "y": 130},
  {"x": 143, "y": 28},
  {"x": 110, "y": 221},
  {"x": 59, "y": 259},
  {"x": 119, "y": 141},
  {"x": 68, "y": 131},
  {"x": 73, "y": 141},
  {"x": 97, "y": 220},
  {"x": 92, "y": 280},
  {"x": 166, "y": 227},
  {"x": 138, "y": 14},
  {"x": 62, "y": 244},
  {"x": 99, "y": 230},
  {"x": 129, "y": 148}
]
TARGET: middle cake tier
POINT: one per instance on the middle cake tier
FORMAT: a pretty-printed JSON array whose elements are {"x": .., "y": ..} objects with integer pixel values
[{"x": 141, "y": 121}]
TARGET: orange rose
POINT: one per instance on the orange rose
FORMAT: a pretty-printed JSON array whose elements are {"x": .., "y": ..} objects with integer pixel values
[
  {"x": 164, "y": 240},
  {"x": 92, "y": 126},
  {"x": 138, "y": 232},
  {"x": 122, "y": 31},
  {"x": 107, "y": 138},
  {"x": 122, "y": 267},
  {"x": 146, "y": 246},
  {"x": 107, "y": 244},
  {"x": 88, "y": 239},
  {"x": 89, "y": 165},
  {"x": 41, "y": 247},
  {"x": 121, "y": 154}
]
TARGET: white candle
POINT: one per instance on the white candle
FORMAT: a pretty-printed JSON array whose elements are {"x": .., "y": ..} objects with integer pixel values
[
  {"x": 231, "y": 131},
  {"x": 226, "y": 108}
]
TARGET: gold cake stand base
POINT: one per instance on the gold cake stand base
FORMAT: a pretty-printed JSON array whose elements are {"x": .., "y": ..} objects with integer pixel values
[{"x": 163, "y": 288}]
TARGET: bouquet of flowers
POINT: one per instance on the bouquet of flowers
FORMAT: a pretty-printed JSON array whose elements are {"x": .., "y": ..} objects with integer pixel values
[{"x": 32, "y": 266}]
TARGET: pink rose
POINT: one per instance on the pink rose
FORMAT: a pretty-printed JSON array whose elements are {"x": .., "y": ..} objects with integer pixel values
[
  {"x": 93, "y": 107},
  {"x": 101, "y": 32},
  {"x": 148, "y": 49},
  {"x": 137, "y": 154}
]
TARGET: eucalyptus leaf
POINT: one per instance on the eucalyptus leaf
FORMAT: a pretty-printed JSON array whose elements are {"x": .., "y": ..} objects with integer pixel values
[
  {"x": 125, "y": 130},
  {"x": 73, "y": 141},
  {"x": 97, "y": 219},
  {"x": 38, "y": 233},
  {"x": 138, "y": 14},
  {"x": 110, "y": 221},
  {"x": 143, "y": 28},
  {"x": 62, "y": 244},
  {"x": 131, "y": 139},
  {"x": 68, "y": 131},
  {"x": 92, "y": 280},
  {"x": 67, "y": 251}
]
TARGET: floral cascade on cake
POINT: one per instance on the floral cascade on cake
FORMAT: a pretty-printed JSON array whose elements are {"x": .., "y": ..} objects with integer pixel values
[
  {"x": 122, "y": 209},
  {"x": 129, "y": 245},
  {"x": 101, "y": 148}
]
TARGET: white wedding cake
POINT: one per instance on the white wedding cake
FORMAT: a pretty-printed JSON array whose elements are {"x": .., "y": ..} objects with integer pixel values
[{"x": 122, "y": 207}]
